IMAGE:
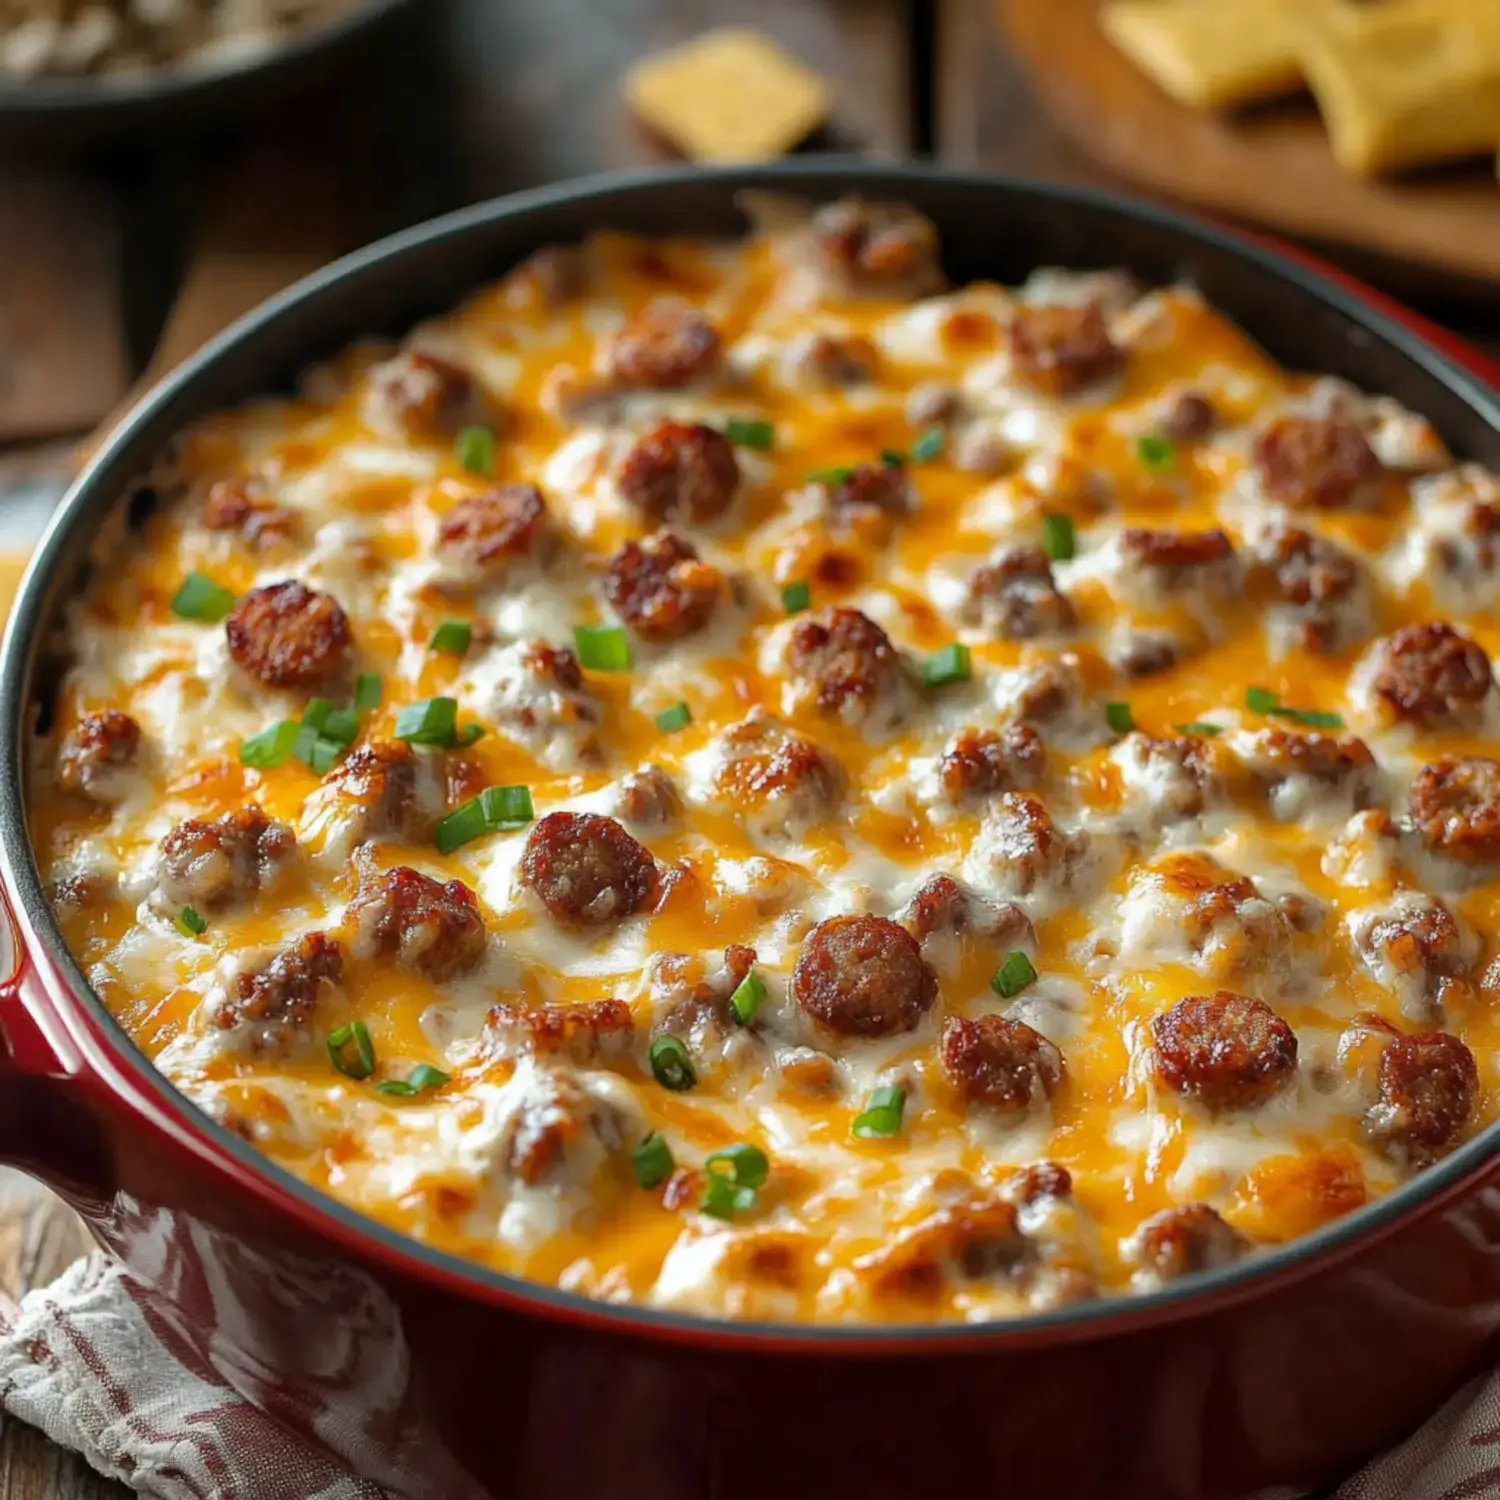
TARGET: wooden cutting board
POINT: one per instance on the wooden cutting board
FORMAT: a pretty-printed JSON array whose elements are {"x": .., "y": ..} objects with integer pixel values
[{"x": 1270, "y": 164}]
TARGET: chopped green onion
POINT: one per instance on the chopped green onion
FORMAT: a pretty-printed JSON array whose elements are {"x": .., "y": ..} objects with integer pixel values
[
  {"x": 423, "y": 1076},
  {"x": 745, "y": 432},
  {"x": 602, "y": 648},
  {"x": 367, "y": 692},
  {"x": 724, "y": 1199},
  {"x": 467, "y": 735},
  {"x": 452, "y": 637},
  {"x": 671, "y": 1065},
  {"x": 270, "y": 747},
  {"x": 950, "y": 665},
  {"x": 1119, "y": 718},
  {"x": 363, "y": 1062},
  {"x": 747, "y": 997},
  {"x": 1261, "y": 700},
  {"x": 652, "y": 1161},
  {"x": 430, "y": 722},
  {"x": 1313, "y": 718},
  {"x": 190, "y": 924},
  {"x": 315, "y": 715},
  {"x": 726, "y": 1193},
  {"x": 1200, "y": 727},
  {"x": 497, "y": 809},
  {"x": 929, "y": 444},
  {"x": 198, "y": 597},
  {"x": 475, "y": 447},
  {"x": 795, "y": 597},
  {"x": 1013, "y": 975},
  {"x": 893, "y": 458},
  {"x": 1058, "y": 537},
  {"x": 838, "y": 474},
  {"x": 341, "y": 726},
  {"x": 670, "y": 720},
  {"x": 1155, "y": 453},
  {"x": 880, "y": 1119}
]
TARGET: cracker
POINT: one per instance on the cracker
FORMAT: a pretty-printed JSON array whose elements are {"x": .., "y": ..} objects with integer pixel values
[
  {"x": 1405, "y": 83},
  {"x": 1211, "y": 54},
  {"x": 730, "y": 95}
]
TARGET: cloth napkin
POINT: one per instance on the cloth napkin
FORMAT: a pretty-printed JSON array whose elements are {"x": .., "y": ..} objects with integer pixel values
[{"x": 82, "y": 1360}]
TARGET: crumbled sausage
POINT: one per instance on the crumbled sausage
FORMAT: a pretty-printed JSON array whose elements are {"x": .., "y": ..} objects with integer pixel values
[
  {"x": 999, "y": 1061},
  {"x": 1319, "y": 581},
  {"x": 693, "y": 1005},
  {"x": 976, "y": 1238},
  {"x": 286, "y": 635},
  {"x": 586, "y": 870},
  {"x": 1227, "y": 1051},
  {"x": 863, "y": 976},
  {"x": 883, "y": 489},
  {"x": 1275, "y": 757},
  {"x": 1430, "y": 674},
  {"x": 426, "y": 397},
  {"x": 978, "y": 763},
  {"x": 824, "y": 359},
  {"x": 660, "y": 588},
  {"x": 848, "y": 661},
  {"x": 1037, "y": 1181},
  {"x": 539, "y": 699},
  {"x": 94, "y": 751},
  {"x": 680, "y": 472},
  {"x": 1188, "y": 417},
  {"x": 382, "y": 789},
  {"x": 237, "y": 505},
  {"x": 1047, "y": 691},
  {"x": 1174, "y": 777},
  {"x": 1415, "y": 945},
  {"x": 484, "y": 532},
  {"x": 859, "y": 249},
  {"x": 279, "y": 997},
  {"x": 664, "y": 347},
  {"x": 1323, "y": 463},
  {"x": 431, "y": 928},
  {"x": 1014, "y": 595},
  {"x": 780, "y": 780},
  {"x": 211, "y": 866},
  {"x": 583, "y": 1031},
  {"x": 1455, "y": 808},
  {"x": 1163, "y": 563},
  {"x": 1184, "y": 1241},
  {"x": 1060, "y": 349},
  {"x": 648, "y": 797},
  {"x": 1025, "y": 849},
  {"x": 560, "y": 1131},
  {"x": 941, "y": 907},
  {"x": 1144, "y": 653},
  {"x": 1428, "y": 1084}
]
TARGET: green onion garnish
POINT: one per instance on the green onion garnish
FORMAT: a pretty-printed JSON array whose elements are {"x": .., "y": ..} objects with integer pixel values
[
  {"x": 950, "y": 665},
  {"x": 1261, "y": 700},
  {"x": 747, "y": 997},
  {"x": 1058, "y": 537},
  {"x": 362, "y": 1064},
  {"x": 423, "y": 1076},
  {"x": 838, "y": 474},
  {"x": 795, "y": 597},
  {"x": 198, "y": 597},
  {"x": 670, "y": 1064},
  {"x": 928, "y": 445},
  {"x": 467, "y": 735},
  {"x": 652, "y": 1161},
  {"x": 744, "y": 432},
  {"x": 452, "y": 637},
  {"x": 341, "y": 726},
  {"x": 602, "y": 648},
  {"x": 367, "y": 692},
  {"x": 190, "y": 924},
  {"x": 670, "y": 720},
  {"x": 1200, "y": 727},
  {"x": 732, "y": 1191},
  {"x": 324, "y": 734},
  {"x": 475, "y": 447},
  {"x": 1155, "y": 453},
  {"x": 880, "y": 1119},
  {"x": 270, "y": 747},
  {"x": 497, "y": 809},
  {"x": 893, "y": 458},
  {"x": 430, "y": 722},
  {"x": 1119, "y": 717},
  {"x": 1013, "y": 975}
]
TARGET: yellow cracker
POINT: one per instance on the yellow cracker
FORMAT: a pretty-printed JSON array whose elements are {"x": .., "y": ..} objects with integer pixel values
[
  {"x": 1405, "y": 83},
  {"x": 731, "y": 95},
  {"x": 1210, "y": 53}
]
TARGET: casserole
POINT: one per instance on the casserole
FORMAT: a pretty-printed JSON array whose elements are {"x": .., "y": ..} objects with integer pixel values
[{"x": 437, "y": 1379}]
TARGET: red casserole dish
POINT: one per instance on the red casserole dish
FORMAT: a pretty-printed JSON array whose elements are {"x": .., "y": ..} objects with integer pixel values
[{"x": 437, "y": 1378}]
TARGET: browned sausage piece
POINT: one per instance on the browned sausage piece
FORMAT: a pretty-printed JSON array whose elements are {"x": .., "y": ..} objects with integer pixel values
[
  {"x": 648, "y": 797},
  {"x": 209, "y": 866},
  {"x": 1036, "y": 1181},
  {"x": 1026, "y": 848},
  {"x": 1428, "y": 1083},
  {"x": 871, "y": 487},
  {"x": 1318, "y": 579},
  {"x": 1189, "y": 418},
  {"x": 583, "y": 1032},
  {"x": 1015, "y": 596},
  {"x": 863, "y": 976},
  {"x": 95, "y": 748},
  {"x": 660, "y": 588},
  {"x": 286, "y": 635},
  {"x": 1414, "y": 943},
  {"x": 1274, "y": 754},
  {"x": 428, "y": 397},
  {"x": 1059, "y": 350},
  {"x": 432, "y": 929},
  {"x": 1322, "y": 463},
  {"x": 864, "y": 249},
  {"x": 662, "y": 348},
  {"x": 998, "y": 1061},
  {"x": 941, "y": 906},
  {"x": 981, "y": 762},
  {"x": 497, "y": 526},
  {"x": 823, "y": 359},
  {"x": 680, "y": 472},
  {"x": 236, "y": 505},
  {"x": 781, "y": 779},
  {"x": 847, "y": 658},
  {"x": 1182, "y": 1241},
  {"x": 285, "y": 992},
  {"x": 381, "y": 779},
  {"x": 1455, "y": 808},
  {"x": 1430, "y": 674},
  {"x": 1175, "y": 554},
  {"x": 1227, "y": 1051},
  {"x": 586, "y": 870}
]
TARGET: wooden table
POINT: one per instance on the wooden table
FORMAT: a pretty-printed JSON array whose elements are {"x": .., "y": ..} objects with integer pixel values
[{"x": 504, "y": 96}]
